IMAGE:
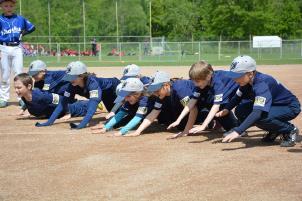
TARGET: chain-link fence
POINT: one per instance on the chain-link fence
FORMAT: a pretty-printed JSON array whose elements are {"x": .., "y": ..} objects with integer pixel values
[{"x": 56, "y": 53}]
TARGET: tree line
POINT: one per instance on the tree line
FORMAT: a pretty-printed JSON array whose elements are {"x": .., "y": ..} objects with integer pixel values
[{"x": 177, "y": 20}]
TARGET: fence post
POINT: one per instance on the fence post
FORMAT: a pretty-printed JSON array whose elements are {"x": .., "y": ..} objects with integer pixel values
[
  {"x": 219, "y": 49},
  {"x": 79, "y": 51},
  {"x": 179, "y": 50},
  {"x": 139, "y": 51},
  {"x": 301, "y": 48},
  {"x": 199, "y": 56},
  {"x": 281, "y": 51},
  {"x": 36, "y": 52},
  {"x": 58, "y": 53},
  {"x": 100, "y": 52},
  {"x": 120, "y": 51},
  {"x": 239, "y": 48}
]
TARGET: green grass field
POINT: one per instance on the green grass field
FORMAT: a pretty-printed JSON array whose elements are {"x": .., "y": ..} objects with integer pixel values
[{"x": 168, "y": 60}]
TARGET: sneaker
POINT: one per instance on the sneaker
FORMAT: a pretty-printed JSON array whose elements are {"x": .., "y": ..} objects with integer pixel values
[
  {"x": 269, "y": 137},
  {"x": 289, "y": 140},
  {"x": 3, "y": 104}
]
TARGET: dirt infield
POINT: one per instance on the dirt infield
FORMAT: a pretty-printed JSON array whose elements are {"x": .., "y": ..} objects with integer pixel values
[{"x": 56, "y": 163}]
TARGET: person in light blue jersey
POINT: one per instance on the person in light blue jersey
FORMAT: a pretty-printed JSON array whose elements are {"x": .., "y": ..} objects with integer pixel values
[{"x": 135, "y": 106}]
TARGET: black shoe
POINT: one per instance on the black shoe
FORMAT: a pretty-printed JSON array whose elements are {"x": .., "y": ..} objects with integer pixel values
[
  {"x": 289, "y": 140},
  {"x": 269, "y": 137}
]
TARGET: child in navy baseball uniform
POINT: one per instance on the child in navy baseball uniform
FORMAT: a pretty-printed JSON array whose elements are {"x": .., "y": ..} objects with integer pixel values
[
  {"x": 12, "y": 28},
  {"x": 86, "y": 85},
  {"x": 212, "y": 91},
  {"x": 270, "y": 108},
  {"x": 40, "y": 103},
  {"x": 51, "y": 81},
  {"x": 172, "y": 96},
  {"x": 129, "y": 71},
  {"x": 135, "y": 106}
]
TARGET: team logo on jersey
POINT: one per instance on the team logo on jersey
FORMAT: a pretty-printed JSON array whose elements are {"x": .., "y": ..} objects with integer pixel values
[
  {"x": 234, "y": 64},
  {"x": 259, "y": 101},
  {"x": 46, "y": 87},
  {"x": 142, "y": 110},
  {"x": 218, "y": 98},
  {"x": 196, "y": 94},
  {"x": 238, "y": 93},
  {"x": 66, "y": 94},
  {"x": 94, "y": 94},
  {"x": 184, "y": 102},
  {"x": 157, "y": 105},
  {"x": 55, "y": 99},
  {"x": 12, "y": 30}
]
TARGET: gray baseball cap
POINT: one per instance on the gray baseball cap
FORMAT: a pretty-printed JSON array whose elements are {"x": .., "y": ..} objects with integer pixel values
[
  {"x": 241, "y": 65},
  {"x": 129, "y": 86},
  {"x": 36, "y": 66},
  {"x": 74, "y": 69},
  {"x": 131, "y": 70},
  {"x": 158, "y": 79}
]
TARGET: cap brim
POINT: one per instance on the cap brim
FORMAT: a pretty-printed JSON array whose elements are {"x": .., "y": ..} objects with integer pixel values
[
  {"x": 33, "y": 73},
  {"x": 154, "y": 87},
  {"x": 69, "y": 77},
  {"x": 121, "y": 96},
  {"x": 234, "y": 75}
]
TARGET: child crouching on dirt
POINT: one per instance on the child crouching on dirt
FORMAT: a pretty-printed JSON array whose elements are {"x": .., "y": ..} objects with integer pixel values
[
  {"x": 40, "y": 103},
  {"x": 212, "y": 92},
  {"x": 270, "y": 108},
  {"x": 135, "y": 106}
]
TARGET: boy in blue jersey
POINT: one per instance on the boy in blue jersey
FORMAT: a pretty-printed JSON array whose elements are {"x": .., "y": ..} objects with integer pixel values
[
  {"x": 212, "y": 92},
  {"x": 12, "y": 28},
  {"x": 136, "y": 106},
  {"x": 270, "y": 108},
  {"x": 86, "y": 85},
  {"x": 171, "y": 97},
  {"x": 46, "y": 80},
  {"x": 40, "y": 103}
]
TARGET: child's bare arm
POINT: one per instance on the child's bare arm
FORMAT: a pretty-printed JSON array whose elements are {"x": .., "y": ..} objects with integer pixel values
[
  {"x": 146, "y": 123},
  {"x": 184, "y": 112}
]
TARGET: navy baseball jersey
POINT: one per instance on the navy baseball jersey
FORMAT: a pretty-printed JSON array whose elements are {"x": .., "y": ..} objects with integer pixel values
[
  {"x": 181, "y": 90},
  {"x": 265, "y": 92},
  {"x": 140, "y": 109},
  {"x": 12, "y": 26},
  {"x": 91, "y": 90},
  {"x": 220, "y": 90},
  {"x": 145, "y": 80},
  {"x": 42, "y": 104},
  {"x": 53, "y": 82}
]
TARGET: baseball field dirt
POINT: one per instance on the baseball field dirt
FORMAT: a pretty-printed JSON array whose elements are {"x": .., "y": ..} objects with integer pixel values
[{"x": 56, "y": 163}]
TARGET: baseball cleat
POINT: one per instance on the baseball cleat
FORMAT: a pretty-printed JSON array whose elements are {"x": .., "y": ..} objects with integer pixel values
[{"x": 289, "y": 140}]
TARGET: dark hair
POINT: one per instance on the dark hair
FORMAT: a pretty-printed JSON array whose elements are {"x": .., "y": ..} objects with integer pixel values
[
  {"x": 24, "y": 78},
  {"x": 200, "y": 70},
  {"x": 13, "y": 1},
  {"x": 86, "y": 75}
]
